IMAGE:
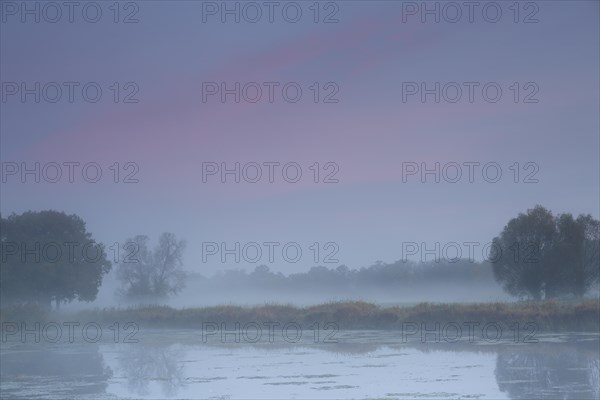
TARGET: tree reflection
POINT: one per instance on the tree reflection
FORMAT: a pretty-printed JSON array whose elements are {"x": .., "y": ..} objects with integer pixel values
[
  {"x": 43, "y": 369},
  {"x": 549, "y": 371},
  {"x": 143, "y": 365}
]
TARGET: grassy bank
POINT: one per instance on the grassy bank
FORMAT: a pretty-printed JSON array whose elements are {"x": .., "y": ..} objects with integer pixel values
[{"x": 547, "y": 315}]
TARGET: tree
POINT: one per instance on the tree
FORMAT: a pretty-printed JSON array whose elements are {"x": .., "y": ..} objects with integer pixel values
[
  {"x": 49, "y": 256},
  {"x": 540, "y": 255},
  {"x": 586, "y": 265},
  {"x": 152, "y": 274},
  {"x": 522, "y": 251}
]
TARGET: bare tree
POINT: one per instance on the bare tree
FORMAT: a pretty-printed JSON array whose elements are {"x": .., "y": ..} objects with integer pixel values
[{"x": 146, "y": 274}]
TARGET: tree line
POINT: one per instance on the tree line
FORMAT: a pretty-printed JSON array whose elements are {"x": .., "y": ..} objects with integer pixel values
[{"x": 49, "y": 257}]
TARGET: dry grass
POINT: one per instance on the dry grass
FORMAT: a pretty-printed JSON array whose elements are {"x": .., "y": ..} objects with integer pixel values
[{"x": 547, "y": 315}]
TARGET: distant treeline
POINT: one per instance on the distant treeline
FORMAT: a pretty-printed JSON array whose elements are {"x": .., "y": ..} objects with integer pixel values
[
  {"x": 397, "y": 274},
  {"x": 49, "y": 256},
  {"x": 398, "y": 282}
]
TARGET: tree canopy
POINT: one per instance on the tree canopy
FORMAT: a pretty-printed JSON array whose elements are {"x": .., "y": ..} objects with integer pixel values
[
  {"x": 541, "y": 255},
  {"x": 49, "y": 256}
]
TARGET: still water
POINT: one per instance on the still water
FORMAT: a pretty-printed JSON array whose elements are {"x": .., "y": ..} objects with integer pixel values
[{"x": 362, "y": 364}]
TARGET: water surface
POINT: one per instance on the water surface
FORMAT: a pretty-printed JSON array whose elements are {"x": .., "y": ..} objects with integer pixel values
[{"x": 362, "y": 364}]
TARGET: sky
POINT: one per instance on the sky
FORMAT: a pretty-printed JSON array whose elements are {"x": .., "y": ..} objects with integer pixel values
[{"x": 361, "y": 117}]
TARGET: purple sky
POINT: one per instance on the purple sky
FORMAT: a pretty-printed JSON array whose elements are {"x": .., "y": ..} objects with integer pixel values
[{"x": 369, "y": 133}]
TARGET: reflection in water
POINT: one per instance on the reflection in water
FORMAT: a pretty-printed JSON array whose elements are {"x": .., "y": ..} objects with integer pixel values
[
  {"x": 141, "y": 365},
  {"x": 175, "y": 364},
  {"x": 52, "y": 372},
  {"x": 546, "y": 371}
]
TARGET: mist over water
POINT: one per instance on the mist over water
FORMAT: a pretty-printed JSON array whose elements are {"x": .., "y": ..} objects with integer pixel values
[
  {"x": 199, "y": 293},
  {"x": 347, "y": 199}
]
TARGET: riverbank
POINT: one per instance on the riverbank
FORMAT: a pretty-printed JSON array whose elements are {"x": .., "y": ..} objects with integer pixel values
[{"x": 554, "y": 316}]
